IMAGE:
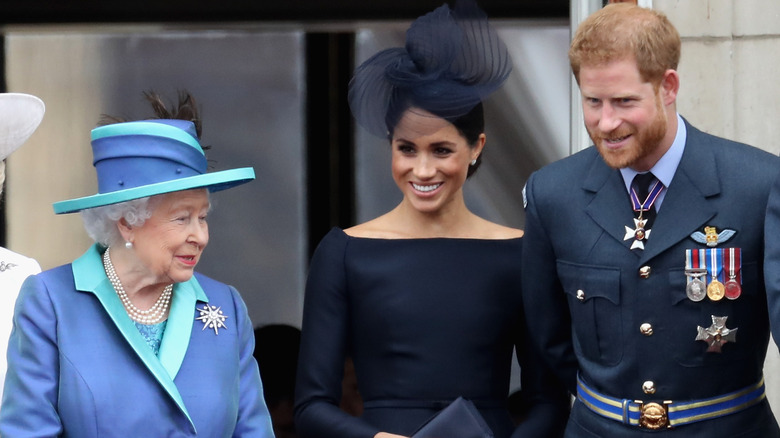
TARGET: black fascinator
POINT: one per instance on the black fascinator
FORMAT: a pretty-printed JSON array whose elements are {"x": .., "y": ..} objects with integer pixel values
[{"x": 452, "y": 60}]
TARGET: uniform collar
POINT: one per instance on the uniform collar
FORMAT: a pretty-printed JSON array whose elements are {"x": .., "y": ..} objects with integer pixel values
[{"x": 697, "y": 179}]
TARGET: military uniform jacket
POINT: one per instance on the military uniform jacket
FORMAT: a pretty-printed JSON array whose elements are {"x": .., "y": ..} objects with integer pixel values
[
  {"x": 587, "y": 300},
  {"x": 78, "y": 367}
]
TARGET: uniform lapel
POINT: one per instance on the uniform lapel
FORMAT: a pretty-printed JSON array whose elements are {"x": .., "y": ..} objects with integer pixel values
[
  {"x": 686, "y": 208},
  {"x": 90, "y": 276},
  {"x": 610, "y": 206}
]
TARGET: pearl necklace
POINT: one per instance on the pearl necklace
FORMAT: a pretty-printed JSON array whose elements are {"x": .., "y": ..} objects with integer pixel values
[{"x": 154, "y": 314}]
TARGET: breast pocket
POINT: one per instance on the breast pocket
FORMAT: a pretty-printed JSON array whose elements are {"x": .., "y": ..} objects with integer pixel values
[{"x": 593, "y": 293}]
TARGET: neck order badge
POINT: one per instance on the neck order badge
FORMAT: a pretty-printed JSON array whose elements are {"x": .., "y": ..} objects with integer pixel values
[{"x": 641, "y": 231}]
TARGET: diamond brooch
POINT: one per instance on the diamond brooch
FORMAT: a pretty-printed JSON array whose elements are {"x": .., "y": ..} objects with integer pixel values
[{"x": 212, "y": 317}]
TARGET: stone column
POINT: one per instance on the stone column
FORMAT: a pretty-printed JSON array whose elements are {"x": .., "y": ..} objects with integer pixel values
[{"x": 730, "y": 86}]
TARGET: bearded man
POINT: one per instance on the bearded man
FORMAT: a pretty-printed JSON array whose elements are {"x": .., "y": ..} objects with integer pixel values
[{"x": 643, "y": 256}]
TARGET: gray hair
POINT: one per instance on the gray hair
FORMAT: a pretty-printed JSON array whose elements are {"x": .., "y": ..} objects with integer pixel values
[{"x": 100, "y": 222}]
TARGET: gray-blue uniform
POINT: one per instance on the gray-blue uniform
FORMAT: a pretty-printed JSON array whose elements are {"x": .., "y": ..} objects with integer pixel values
[{"x": 618, "y": 324}]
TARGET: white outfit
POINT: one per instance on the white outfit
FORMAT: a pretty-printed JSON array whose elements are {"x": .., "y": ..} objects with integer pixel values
[{"x": 14, "y": 269}]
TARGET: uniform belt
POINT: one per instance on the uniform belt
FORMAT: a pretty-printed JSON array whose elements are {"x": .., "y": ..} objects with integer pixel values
[{"x": 667, "y": 413}]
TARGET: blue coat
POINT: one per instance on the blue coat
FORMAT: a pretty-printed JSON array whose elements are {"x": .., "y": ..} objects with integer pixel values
[
  {"x": 77, "y": 365},
  {"x": 589, "y": 301}
]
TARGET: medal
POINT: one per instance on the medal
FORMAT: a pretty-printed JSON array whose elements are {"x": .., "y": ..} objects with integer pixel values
[
  {"x": 695, "y": 290},
  {"x": 695, "y": 268},
  {"x": 732, "y": 260},
  {"x": 717, "y": 334},
  {"x": 639, "y": 233},
  {"x": 732, "y": 289},
  {"x": 715, "y": 290}
]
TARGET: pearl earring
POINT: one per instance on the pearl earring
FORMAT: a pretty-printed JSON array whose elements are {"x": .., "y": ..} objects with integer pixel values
[
  {"x": 474, "y": 162},
  {"x": 129, "y": 245}
]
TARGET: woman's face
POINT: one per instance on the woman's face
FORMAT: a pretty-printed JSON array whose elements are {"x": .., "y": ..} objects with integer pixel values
[
  {"x": 171, "y": 241},
  {"x": 430, "y": 160}
]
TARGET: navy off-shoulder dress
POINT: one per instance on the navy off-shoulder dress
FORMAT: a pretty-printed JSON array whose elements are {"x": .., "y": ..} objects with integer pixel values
[{"x": 425, "y": 321}]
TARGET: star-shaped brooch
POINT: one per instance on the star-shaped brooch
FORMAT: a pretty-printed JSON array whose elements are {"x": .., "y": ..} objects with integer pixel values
[
  {"x": 212, "y": 317},
  {"x": 639, "y": 233},
  {"x": 717, "y": 334}
]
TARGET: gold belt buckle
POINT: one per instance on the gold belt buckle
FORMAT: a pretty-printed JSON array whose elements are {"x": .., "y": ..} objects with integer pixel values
[{"x": 654, "y": 415}]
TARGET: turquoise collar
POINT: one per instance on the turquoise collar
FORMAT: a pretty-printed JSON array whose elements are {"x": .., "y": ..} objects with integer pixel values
[{"x": 90, "y": 276}]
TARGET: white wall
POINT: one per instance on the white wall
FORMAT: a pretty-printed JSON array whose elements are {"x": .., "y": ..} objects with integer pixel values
[{"x": 729, "y": 85}]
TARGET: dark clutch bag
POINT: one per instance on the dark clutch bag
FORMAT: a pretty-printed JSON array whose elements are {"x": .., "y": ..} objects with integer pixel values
[{"x": 460, "y": 419}]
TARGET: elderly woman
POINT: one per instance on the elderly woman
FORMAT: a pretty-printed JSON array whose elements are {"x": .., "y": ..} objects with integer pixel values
[
  {"x": 128, "y": 340},
  {"x": 426, "y": 297},
  {"x": 20, "y": 115}
]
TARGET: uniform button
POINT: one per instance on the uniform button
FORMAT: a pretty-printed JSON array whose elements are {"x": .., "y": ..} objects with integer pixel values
[
  {"x": 648, "y": 387},
  {"x": 644, "y": 271},
  {"x": 646, "y": 329},
  {"x": 581, "y": 295}
]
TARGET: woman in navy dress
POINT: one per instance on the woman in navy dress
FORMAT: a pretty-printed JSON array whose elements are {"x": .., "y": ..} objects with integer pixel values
[{"x": 426, "y": 298}]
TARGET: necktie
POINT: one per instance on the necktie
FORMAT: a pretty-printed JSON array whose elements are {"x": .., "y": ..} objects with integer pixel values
[{"x": 642, "y": 184}]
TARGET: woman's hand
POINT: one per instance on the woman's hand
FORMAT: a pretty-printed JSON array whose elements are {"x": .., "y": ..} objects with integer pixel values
[{"x": 388, "y": 435}]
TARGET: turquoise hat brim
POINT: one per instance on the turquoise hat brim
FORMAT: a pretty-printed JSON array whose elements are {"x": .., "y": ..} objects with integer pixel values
[{"x": 214, "y": 181}]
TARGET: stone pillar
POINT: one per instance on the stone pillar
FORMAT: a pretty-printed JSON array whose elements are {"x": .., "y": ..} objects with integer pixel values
[
  {"x": 56, "y": 163},
  {"x": 729, "y": 85}
]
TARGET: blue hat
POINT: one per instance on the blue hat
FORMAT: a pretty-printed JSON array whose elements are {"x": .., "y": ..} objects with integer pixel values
[{"x": 150, "y": 157}]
